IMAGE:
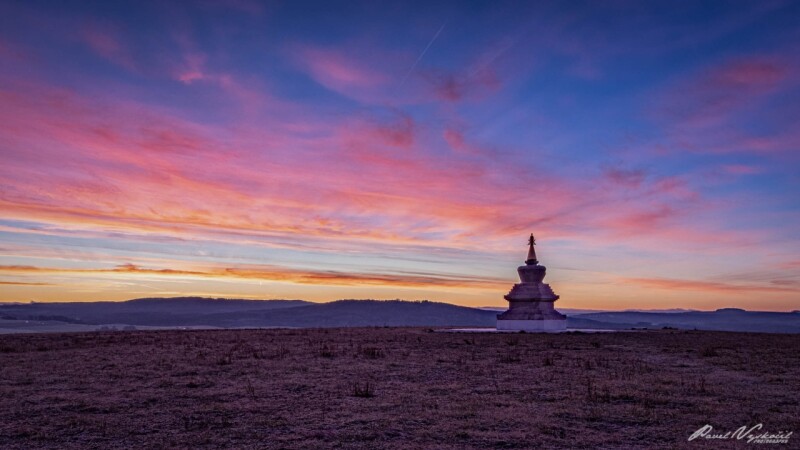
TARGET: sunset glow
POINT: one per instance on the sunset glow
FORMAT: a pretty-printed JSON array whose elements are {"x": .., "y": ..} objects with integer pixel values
[{"x": 360, "y": 150}]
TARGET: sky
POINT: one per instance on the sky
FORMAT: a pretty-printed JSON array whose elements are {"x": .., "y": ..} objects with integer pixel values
[{"x": 334, "y": 150}]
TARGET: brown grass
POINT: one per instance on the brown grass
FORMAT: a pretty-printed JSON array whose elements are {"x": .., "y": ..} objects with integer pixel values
[{"x": 392, "y": 388}]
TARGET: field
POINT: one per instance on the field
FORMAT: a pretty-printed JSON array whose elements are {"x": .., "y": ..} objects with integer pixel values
[{"x": 393, "y": 388}]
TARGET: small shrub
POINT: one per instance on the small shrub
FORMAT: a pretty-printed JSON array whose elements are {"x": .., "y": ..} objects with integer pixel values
[
  {"x": 280, "y": 353},
  {"x": 510, "y": 357},
  {"x": 373, "y": 352},
  {"x": 200, "y": 383},
  {"x": 709, "y": 352},
  {"x": 701, "y": 386},
  {"x": 251, "y": 391},
  {"x": 363, "y": 391},
  {"x": 594, "y": 395},
  {"x": 604, "y": 396},
  {"x": 326, "y": 351}
]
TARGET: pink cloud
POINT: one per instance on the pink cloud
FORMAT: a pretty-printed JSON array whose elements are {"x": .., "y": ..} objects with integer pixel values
[
  {"x": 742, "y": 169},
  {"x": 193, "y": 68},
  {"x": 104, "y": 40},
  {"x": 625, "y": 177},
  {"x": 458, "y": 143},
  {"x": 340, "y": 71},
  {"x": 643, "y": 221},
  {"x": 791, "y": 265},
  {"x": 453, "y": 88},
  {"x": 12, "y": 52},
  {"x": 398, "y": 133},
  {"x": 716, "y": 94},
  {"x": 368, "y": 74},
  {"x": 120, "y": 165},
  {"x": 710, "y": 286},
  {"x": 762, "y": 73},
  {"x": 716, "y": 109}
]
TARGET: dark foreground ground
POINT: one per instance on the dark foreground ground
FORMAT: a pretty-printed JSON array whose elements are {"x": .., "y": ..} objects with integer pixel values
[{"x": 393, "y": 388}]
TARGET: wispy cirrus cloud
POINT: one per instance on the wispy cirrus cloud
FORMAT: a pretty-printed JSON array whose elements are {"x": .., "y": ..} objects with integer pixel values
[{"x": 343, "y": 72}]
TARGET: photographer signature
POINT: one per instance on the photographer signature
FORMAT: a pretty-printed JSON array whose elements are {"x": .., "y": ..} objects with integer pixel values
[{"x": 752, "y": 435}]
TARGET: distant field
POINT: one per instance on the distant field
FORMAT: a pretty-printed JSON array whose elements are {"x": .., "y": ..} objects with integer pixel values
[{"x": 393, "y": 388}]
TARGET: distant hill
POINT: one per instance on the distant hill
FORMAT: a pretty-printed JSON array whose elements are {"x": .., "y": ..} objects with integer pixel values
[
  {"x": 726, "y": 319},
  {"x": 363, "y": 313},
  {"x": 176, "y": 311},
  {"x": 196, "y": 311},
  {"x": 227, "y": 313}
]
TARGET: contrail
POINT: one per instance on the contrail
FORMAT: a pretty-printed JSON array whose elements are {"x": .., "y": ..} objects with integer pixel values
[{"x": 422, "y": 55}]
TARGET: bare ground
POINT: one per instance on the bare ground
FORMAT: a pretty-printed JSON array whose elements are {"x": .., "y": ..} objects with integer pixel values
[{"x": 393, "y": 388}]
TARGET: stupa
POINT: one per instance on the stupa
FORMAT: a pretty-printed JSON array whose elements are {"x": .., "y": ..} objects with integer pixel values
[{"x": 531, "y": 301}]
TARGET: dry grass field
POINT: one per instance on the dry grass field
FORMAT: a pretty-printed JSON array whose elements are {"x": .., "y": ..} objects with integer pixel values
[{"x": 392, "y": 388}]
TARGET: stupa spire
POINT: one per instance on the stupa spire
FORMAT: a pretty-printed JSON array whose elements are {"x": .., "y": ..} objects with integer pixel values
[{"x": 531, "y": 259}]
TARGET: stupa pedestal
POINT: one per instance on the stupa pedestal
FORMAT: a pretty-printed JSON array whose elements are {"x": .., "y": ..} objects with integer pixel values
[{"x": 531, "y": 301}]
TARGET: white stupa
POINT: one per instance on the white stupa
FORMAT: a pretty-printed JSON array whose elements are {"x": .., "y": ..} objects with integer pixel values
[{"x": 531, "y": 301}]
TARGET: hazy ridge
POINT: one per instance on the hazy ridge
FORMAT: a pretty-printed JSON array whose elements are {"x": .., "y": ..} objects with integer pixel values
[{"x": 237, "y": 313}]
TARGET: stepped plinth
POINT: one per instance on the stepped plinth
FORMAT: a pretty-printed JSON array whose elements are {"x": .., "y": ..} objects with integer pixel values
[{"x": 530, "y": 302}]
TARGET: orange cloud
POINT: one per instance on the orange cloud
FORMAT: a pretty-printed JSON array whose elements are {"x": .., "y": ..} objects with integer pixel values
[
  {"x": 273, "y": 273},
  {"x": 24, "y": 283}
]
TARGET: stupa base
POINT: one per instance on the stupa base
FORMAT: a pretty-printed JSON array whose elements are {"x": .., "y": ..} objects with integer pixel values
[{"x": 532, "y": 325}]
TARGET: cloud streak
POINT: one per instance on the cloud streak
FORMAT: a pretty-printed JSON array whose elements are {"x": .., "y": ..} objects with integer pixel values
[
  {"x": 712, "y": 286},
  {"x": 272, "y": 273}
]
